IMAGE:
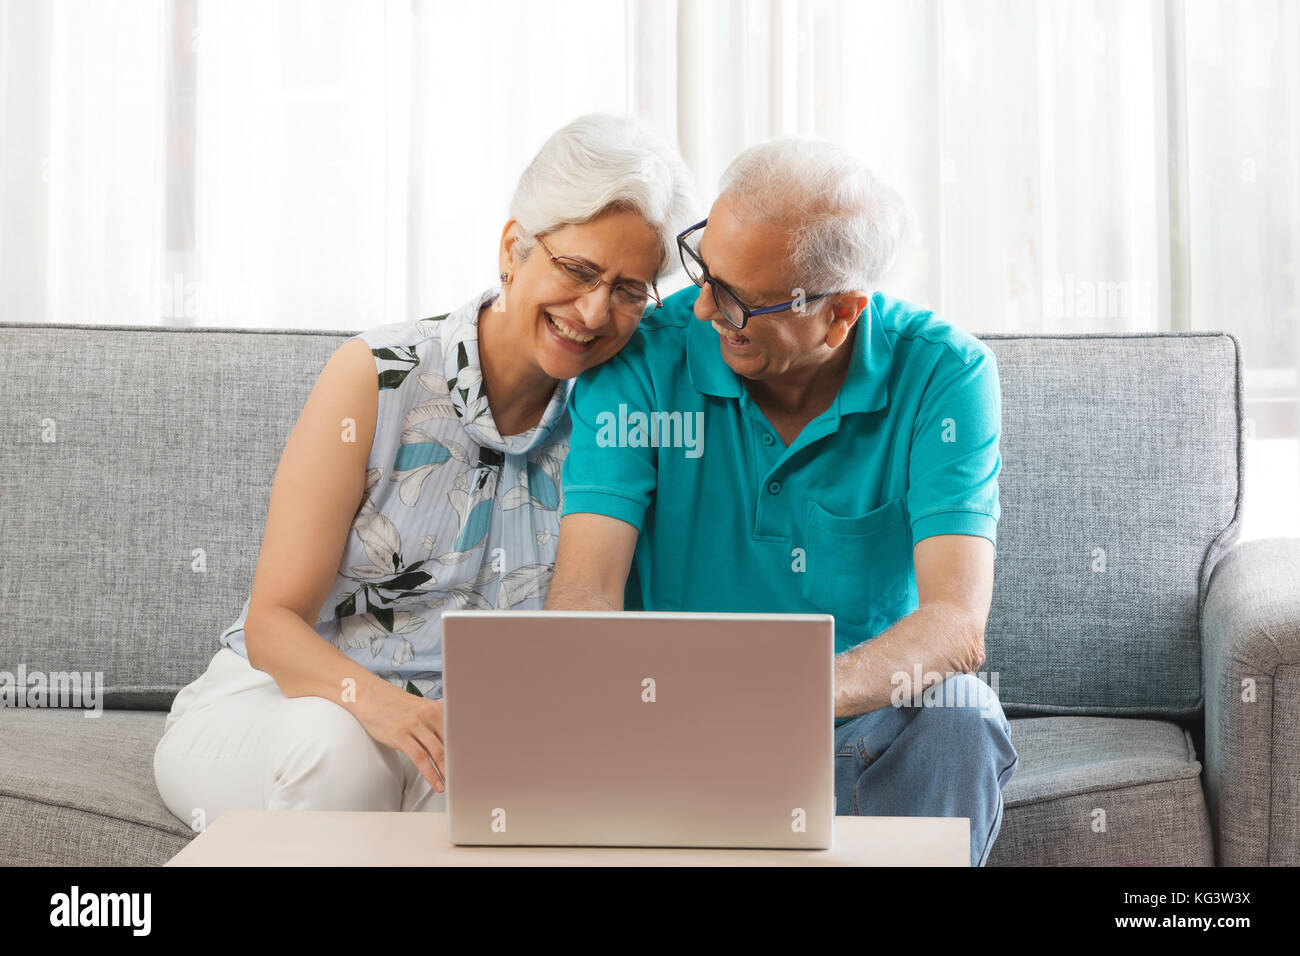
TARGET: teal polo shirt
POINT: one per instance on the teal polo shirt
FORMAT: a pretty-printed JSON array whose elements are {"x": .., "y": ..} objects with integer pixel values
[{"x": 665, "y": 438}]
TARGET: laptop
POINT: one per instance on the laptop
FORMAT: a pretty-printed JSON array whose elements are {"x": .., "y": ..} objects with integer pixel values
[{"x": 595, "y": 728}]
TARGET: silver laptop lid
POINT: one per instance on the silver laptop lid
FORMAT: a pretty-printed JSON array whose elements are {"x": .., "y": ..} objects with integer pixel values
[{"x": 639, "y": 729}]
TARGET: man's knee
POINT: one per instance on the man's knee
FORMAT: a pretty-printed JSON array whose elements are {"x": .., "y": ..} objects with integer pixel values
[
  {"x": 966, "y": 713},
  {"x": 967, "y": 721}
]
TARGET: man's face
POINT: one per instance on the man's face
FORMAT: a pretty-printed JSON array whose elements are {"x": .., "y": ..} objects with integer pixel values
[{"x": 749, "y": 257}]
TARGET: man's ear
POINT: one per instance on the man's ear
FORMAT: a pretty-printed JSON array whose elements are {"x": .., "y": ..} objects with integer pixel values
[{"x": 845, "y": 309}]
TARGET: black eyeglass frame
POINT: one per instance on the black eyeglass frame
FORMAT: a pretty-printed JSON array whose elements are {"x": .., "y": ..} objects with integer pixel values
[{"x": 706, "y": 278}]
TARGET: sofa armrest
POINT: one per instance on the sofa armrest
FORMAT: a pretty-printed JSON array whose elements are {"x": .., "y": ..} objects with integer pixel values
[{"x": 1250, "y": 646}]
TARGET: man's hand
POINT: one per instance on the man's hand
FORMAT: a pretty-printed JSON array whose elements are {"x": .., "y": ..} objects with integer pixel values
[{"x": 945, "y": 634}]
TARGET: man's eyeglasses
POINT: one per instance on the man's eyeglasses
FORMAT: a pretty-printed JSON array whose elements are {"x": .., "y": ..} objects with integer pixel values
[
  {"x": 729, "y": 304},
  {"x": 630, "y": 298}
]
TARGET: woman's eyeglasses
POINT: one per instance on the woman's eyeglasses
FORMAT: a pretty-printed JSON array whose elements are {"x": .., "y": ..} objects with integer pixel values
[{"x": 630, "y": 298}]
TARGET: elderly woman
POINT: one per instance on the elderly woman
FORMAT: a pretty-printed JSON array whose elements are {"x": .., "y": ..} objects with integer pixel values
[{"x": 423, "y": 474}]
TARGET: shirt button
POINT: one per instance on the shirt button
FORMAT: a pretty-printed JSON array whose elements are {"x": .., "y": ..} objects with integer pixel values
[
  {"x": 774, "y": 487},
  {"x": 768, "y": 440}
]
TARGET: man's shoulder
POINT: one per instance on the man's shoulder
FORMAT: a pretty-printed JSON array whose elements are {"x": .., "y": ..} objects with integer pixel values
[
  {"x": 659, "y": 342},
  {"x": 917, "y": 327},
  {"x": 666, "y": 325}
]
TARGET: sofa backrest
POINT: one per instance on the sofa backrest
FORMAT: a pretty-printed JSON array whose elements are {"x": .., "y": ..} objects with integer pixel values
[
  {"x": 128, "y": 543},
  {"x": 136, "y": 465},
  {"x": 1121, "y": 487}
]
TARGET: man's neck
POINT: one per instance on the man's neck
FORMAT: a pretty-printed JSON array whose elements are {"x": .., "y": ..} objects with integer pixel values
[
  {"x": 517, "y": 390},
  {"x": 802, "y": 395}
]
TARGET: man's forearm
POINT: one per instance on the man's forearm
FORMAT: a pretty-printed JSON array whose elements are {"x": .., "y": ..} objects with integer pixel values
[
  {"x": 577, "y": 597},
  {"x": 936, "y": 637}
]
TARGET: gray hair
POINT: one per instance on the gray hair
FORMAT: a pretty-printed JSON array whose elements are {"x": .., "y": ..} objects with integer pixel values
[
  {"x": 846, "y": 225},
  {"x": 600, "y": 162}
]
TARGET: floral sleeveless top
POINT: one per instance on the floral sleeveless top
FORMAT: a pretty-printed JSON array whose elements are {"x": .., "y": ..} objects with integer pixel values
[{"x": 454, "y": 514}]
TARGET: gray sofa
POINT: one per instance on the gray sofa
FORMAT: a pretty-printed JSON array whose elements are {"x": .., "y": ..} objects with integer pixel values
[{"x": 1152, "y": 670}]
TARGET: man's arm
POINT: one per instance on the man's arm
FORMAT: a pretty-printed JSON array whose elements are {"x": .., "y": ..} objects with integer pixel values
[
  {"x": 954, "y": 585},
  {"x": 607, "y": 487},
  {"x": 591, "y": 563}
]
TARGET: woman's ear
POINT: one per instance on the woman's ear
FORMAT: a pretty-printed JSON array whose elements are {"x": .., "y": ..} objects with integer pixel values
[{"x": 506, "y": 252}]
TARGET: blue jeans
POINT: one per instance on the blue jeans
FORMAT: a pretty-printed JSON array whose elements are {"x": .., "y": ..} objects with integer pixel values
[{"x": 949, "y": 758}]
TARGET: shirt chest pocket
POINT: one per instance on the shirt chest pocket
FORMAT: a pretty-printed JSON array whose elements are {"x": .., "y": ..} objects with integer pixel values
[{"x": 859, "y": 568}]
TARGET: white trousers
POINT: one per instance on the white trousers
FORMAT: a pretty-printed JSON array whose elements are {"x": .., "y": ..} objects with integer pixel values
[{"x": 233, "y": 741}]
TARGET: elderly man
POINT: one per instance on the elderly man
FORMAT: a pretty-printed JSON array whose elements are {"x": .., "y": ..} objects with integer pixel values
[{"x": 829, "y": 449}]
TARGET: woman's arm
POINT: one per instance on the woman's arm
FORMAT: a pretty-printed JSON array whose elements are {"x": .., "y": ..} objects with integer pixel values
[{"x": 318, "y": 487}]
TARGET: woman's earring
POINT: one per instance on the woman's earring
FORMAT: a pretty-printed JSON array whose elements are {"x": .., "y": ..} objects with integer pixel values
[{"x": 499, "y": 303}]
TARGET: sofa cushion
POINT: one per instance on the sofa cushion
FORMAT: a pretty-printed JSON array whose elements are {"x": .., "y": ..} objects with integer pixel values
[
  {"x": 1103, "y": 791},
  {"x": 1116, "y": 504},
  {"x": 80, "y": 791}
]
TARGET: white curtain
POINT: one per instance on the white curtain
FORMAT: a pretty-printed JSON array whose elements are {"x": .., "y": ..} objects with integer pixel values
[
  {"x": 82, "y": 160},
  {"x": 1083, "y": 166},
  {"x": 1086, "y": 166}
]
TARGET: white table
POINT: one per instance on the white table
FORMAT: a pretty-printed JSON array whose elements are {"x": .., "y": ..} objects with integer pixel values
[{"x": 330, "y": 838}]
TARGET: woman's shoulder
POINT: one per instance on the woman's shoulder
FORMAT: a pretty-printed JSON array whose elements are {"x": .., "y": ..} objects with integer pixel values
[
  {"x": 410, "y": 333},
  {"x": 400, "y": 348}
]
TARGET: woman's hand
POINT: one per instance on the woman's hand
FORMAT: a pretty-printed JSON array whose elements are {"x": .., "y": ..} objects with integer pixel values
[{"x": 398, "y": 719}]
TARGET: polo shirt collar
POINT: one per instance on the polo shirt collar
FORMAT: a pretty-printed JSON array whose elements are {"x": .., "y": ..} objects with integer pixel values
[
  {"x": 865, "y": 387},
  {"x": 709, "y": 373}
]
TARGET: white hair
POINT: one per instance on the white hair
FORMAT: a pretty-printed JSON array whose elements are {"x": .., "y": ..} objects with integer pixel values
[
  {"x": 846, "y": 225},
  {"x": 601, "y": 162}
]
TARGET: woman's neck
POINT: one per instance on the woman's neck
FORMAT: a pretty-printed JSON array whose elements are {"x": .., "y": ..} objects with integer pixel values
[{"x": 517, "y": 390}]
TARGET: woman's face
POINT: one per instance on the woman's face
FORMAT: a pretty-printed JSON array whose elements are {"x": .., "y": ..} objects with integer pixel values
[{"x": 567, "y": 331}]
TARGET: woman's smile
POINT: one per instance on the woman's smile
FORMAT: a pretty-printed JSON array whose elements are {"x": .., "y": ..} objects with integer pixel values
[{"x": 572, "y": 336}]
